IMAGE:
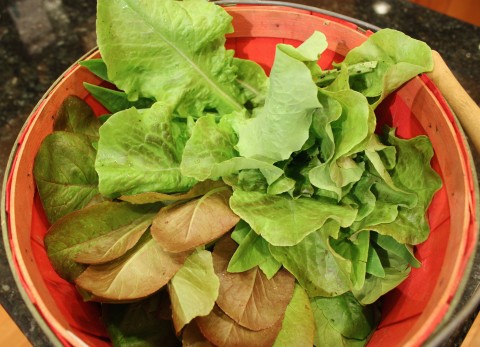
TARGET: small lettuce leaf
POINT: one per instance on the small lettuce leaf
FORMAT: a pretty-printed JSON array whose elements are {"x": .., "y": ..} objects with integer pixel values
[
  {"x": 97, "y": 67},
  {"x": 141, "y": 152},
  {"x": 282, "y": 126},
  {"x": 343, "y": 321},
  {"x": 142, "y": 271},
  {"x": 298, "y": 325},
  {"x": 312, "y": 263},
  {"x": 252, "y": 78},
  {"x": 395, "y": 66},
  {"x": 76, "y": 116},
  {"x": 185, "y": 226},
  {"x": 249, "y": 298},
  {"x": 114, "y": 100},
  {"x": 188, "y": 35},
  {"x": 252, "y": 251},
  {"x": 284, "y": 221},
  {"x": 64, "y": 173},
  {"x": 194, "y": 289}
]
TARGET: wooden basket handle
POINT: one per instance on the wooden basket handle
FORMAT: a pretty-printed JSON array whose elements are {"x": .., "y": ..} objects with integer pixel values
[{"x": 466, "y": 110}]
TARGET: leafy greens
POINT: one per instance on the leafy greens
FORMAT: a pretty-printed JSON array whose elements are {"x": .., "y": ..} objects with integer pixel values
[{"x": 252, "y": 208}]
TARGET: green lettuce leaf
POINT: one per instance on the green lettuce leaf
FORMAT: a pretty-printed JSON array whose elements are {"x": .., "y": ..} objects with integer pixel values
[
  {"x": 141, "y": 152},
  {"x": 343, "y": 321},
  {"x": 298, "y": 326},
  {"x": 173, "y": 49},
  {"x": 313, "y": 264},
  {"x": 252, "y": 251},
  {"x": 284, "y": 221},
  {"x": 194, "y": 289},
  {"x": 64, "y": 173},
  {"x": 282, "y": 126},
  {"x": 399, "y": 58}
]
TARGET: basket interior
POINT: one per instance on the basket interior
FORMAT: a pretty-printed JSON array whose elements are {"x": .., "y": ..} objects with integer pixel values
[{"x": 410, "y": 312}]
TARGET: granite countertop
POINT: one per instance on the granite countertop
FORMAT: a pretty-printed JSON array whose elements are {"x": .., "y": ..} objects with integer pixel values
[{"x": 39, "y": 39}]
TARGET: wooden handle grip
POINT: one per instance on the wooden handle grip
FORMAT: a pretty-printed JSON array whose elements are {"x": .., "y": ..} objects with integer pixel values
[{"x": 466, "y": 110}]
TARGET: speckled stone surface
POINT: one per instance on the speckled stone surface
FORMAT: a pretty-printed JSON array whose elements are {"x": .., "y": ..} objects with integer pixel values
[{"x": 39, "y": 39}]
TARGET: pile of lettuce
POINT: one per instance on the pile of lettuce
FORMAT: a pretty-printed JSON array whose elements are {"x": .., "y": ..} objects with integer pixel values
[{"x": 219, "y": 206}]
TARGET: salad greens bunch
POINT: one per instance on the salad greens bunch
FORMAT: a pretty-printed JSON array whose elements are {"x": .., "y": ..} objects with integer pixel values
[{"x": 219, "y": 206}]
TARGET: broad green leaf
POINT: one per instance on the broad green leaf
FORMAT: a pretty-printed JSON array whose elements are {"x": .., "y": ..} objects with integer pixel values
[
  {"x": 141, "y": 152},
  {"x": 87, "y": 230},
  {"x": 414, "y": 174},
  {"x": 194, "y": 289},
  {"x": 395, "y": 66},
  {"x": 253, "y": 251},
  {"x": 282, "y": 126},
  {"x": 284, "y": 221},
  {"x": 222, "y": 331},
  {"x": 142, "y": 271},
  {"x": 343, "y": 321},
  {"x": 313, "y": 265},
  {"x": 76, "y": 116},
  {"x": 184, "y": 226},
  {"x": 197, "y": 190},
  {"x": 298, "y": 326},
  {"x": 210, "y": 152},
  {"x": 249, "y": 298},
  {"x": 248, "y": 180},
  {"x": 164, "y": 41},
  {"x": 138, "y": 324},
  {"x": 64, "y": 173},
  {"x": 114, "y": 100}
]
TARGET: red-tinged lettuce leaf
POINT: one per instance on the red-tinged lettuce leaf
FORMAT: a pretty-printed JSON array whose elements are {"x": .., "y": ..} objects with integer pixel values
[
  {"x": 185, "y": 226},
  {"x": 87, "y": 230},
  {"x": 222, "y": 331},
  {"x": 193, "y": 337},
  {"x": 140, "y": 152},
  {"x": 140, "y": 272},
  {"x": 194, "y": 289},
  {"x": 76, "y": 116},
  {"x": 113, "y": 245},
  {"x": 284, "y": 221},
  {"x": 138, "y": 324},
  {"x": 249, "y": 298},
  {"x": 298, "y": 326},
  {"x": 64, "y": 173},
  {"x": 163, "y": 41},
  {"x": 197, "y": 190},
  {"x": 343, "y": 321}
]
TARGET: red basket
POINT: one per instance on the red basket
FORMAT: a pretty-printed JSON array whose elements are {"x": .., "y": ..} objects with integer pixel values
[{"x": 411, "y": 312}]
